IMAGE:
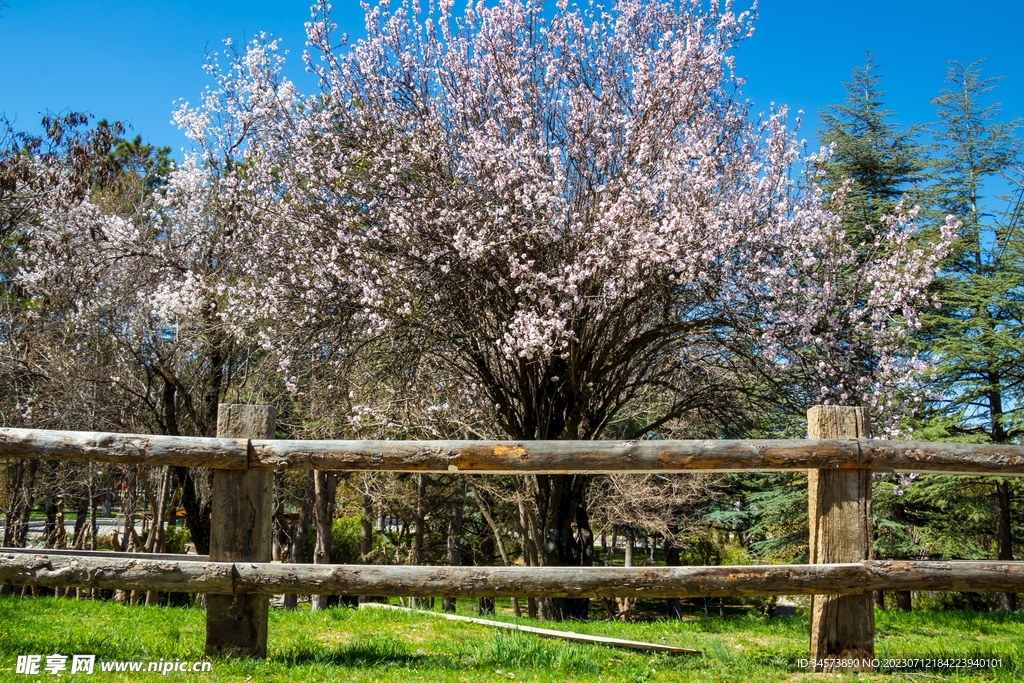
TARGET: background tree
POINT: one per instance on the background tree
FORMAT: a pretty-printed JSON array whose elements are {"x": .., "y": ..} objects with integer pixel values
[
  {"x": 118, "y": 275},
  {"x": 41, "y": 173},
  {"x": 881, "y": 160},
  {"x": 883, "y": 164},
  {"x": 976, "y": 340}
]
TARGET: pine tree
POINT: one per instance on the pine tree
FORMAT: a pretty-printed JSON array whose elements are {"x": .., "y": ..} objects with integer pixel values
[
  {"x": 880, "y": 159},
  {"x": 976, "y": 339}
]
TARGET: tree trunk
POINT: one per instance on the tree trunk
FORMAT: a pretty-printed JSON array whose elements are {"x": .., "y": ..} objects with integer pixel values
[
  {"x": 1004, "y": 538},
  {"x": 22, "y": 501},
  {"x": 626, "y": 605},
  {"x": 417, "y": 548},
  {"x": 325, "y": 486},
  {"x": 299, "y": 535},
  {"x": 81, "y": 515},
  {"x": 489, "y": 518},
  {"x": 366, "y": 530},
  {"x": 212, "y": 391},
  {"x": 62, "y": 533},
  {"x": 567, "y": 537},
  {"x": 366, "y": 533},
  {"x": 675, "y": 605},
  {"x": 15, "y": 473},
  {"x": 421, "y": 492},
  {"x": 93, "y": 527},
  {"x": 128, "y": 509},
  {"x": 155, "y": 541},
  {"x": 455, "y": 536},
  {"x": 50, "y": 526},
  {"x": 904, "y": 601},
  {"x": 197, "y": 514},
  {"x": 281, "y": 536},
  {"x": 523, "y": 527}
]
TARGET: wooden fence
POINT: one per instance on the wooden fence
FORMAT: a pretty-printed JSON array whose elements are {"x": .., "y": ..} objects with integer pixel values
[{"x": 239, "y": 578}]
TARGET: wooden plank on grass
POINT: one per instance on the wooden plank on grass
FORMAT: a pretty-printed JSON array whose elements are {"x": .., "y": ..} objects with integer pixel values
[{"x": 546, "y": 632}]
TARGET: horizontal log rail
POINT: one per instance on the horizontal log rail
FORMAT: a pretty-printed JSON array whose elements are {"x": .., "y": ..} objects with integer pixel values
[
  {"x": 226, "y": 578},
  {"x": 124, "y": 449},
  {"x": 73, "y": 552},
  {"x": 516, "y": 457},
  {"x": 839, "y": 460}
]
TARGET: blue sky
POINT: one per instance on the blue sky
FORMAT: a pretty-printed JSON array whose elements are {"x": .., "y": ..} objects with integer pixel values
[{"x": 133, "y": 60}]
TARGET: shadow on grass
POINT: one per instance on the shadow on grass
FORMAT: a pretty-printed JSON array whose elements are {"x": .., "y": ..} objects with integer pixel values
[{"x": 361, "y": 652}]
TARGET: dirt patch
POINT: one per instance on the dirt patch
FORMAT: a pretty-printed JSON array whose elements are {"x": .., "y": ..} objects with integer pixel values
[{"x": 334, "y": 637}]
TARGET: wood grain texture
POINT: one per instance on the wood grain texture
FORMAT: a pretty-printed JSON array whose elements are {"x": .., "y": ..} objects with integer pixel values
[
  {"x": 241, "y": 531},
  {"x": 42, "y": 568},
  {"x": 944, "y": 458},
  {"x": 958, "y": 575},
  {"x": 553, "y": 457},
  {"x": 839, "y": 507},
  {"x": 132, "y": 449},
  {"x": 555, "y": 582},
  {"x": 175, "y": 557},
  {"x": 517, "y": 457}
]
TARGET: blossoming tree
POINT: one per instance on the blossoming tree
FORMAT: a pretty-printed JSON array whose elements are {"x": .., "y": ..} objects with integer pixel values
[
  {"x": 574, "y": 212},
  {"x": 121, "y": 267}
]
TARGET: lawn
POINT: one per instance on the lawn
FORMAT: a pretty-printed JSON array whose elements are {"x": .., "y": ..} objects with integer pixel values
[{"x": 344, "y": 644}]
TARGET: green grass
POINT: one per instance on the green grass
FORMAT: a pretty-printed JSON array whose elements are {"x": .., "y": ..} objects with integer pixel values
[{"x": 384, "y": 645}]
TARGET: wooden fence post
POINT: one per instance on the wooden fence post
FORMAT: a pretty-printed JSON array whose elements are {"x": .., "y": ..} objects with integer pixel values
[
  {"x": 842, "y": 627},
  {"x": 241, "y": 531}
]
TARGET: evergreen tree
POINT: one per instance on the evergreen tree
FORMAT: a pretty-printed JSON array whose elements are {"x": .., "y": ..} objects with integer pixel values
[
  {"x": 880, "y": 159},
  {"x": 976, "y": 339}
]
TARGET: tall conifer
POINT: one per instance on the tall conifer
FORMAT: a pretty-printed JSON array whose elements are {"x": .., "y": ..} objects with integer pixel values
[
  {"x": 976, "y": 339},
  {"x": 881, "y": 159}
]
